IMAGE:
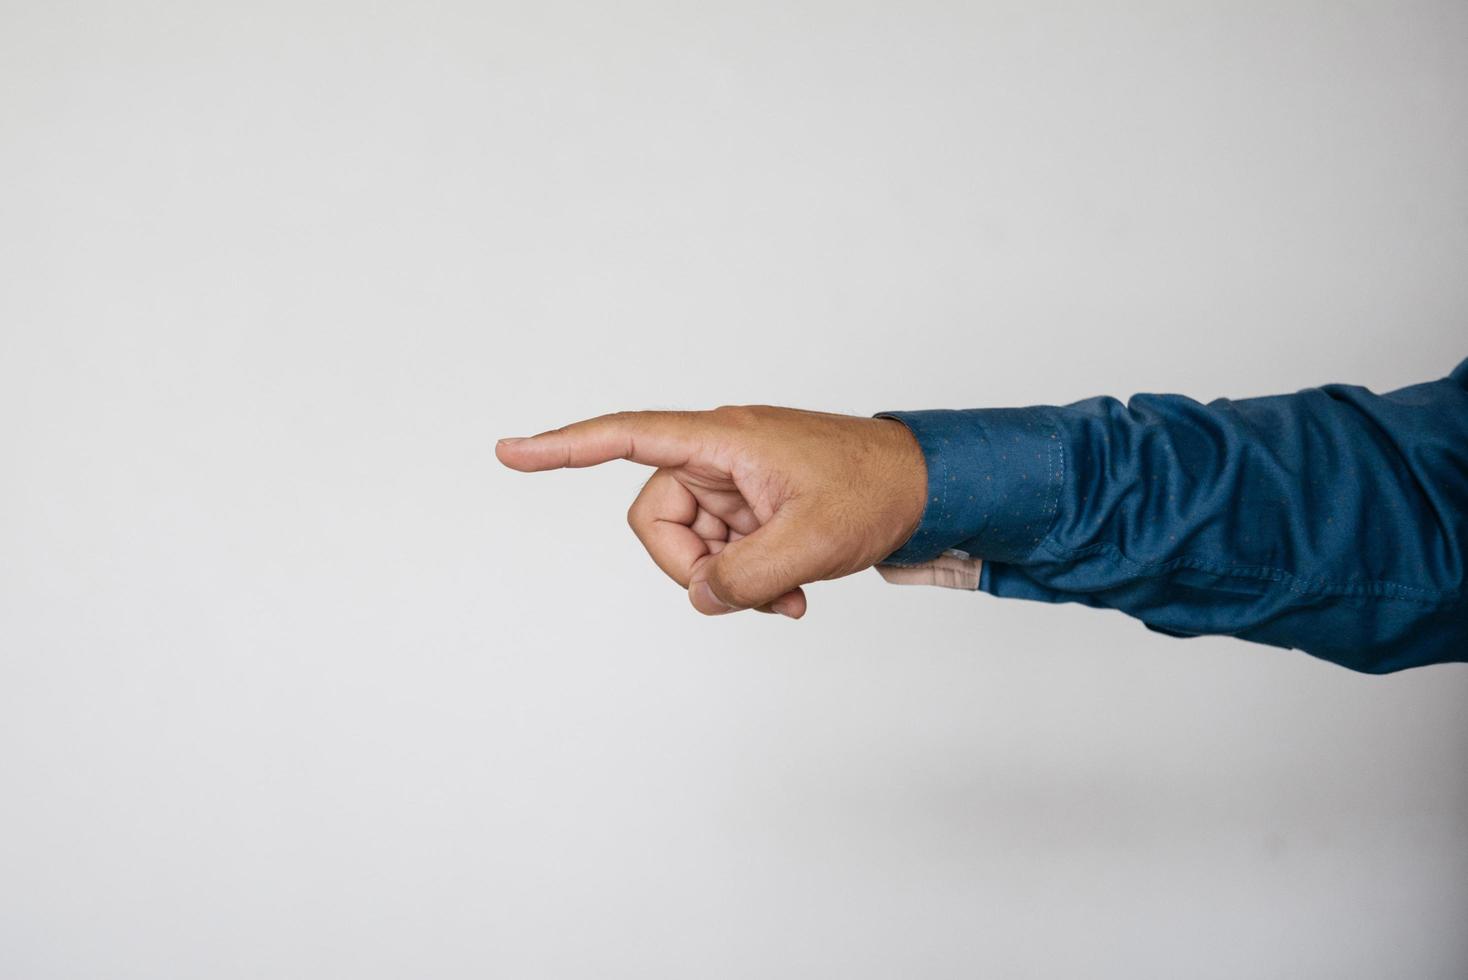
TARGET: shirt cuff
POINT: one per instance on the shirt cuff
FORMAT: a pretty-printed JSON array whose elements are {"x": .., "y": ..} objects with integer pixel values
[
  {"x": 951, "y": 570},
  {"x": 994, "y": 477}
]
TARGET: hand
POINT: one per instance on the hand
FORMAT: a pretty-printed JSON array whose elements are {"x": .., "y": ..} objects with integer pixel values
[{"x": 750, "y": 503}]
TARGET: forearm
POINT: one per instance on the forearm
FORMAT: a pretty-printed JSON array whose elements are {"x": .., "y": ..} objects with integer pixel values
[{"x": 1333, "y": 519}]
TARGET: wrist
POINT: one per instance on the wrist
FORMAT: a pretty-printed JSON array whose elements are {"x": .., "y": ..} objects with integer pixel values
[{"x": 907, "y": 478}]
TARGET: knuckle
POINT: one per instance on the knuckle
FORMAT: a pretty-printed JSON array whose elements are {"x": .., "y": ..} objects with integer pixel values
[
  {"x": 637, "y": 513},
  {"x": 735, "y": 597},
  {"x": 735, "y": 589},
  {"x": 737, "y": 416}
]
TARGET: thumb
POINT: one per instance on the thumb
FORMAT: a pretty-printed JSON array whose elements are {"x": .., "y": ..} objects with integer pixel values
[{"x": 783, "y": 554}]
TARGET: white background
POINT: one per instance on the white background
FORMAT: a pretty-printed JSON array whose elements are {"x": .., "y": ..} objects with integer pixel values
[{"x": 296, "y": 681}]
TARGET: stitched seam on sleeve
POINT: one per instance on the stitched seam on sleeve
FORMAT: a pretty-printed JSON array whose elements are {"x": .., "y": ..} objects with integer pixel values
[{"x": 1295, "y": 583}]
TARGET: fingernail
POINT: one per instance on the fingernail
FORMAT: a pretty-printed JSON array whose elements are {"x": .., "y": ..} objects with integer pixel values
[
  {"x": 702, "y": 590},
  {"x": 511, "y": 440}
]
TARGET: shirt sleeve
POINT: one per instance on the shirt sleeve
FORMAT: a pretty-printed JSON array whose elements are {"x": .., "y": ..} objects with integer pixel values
[{"x": 1332, "y": 520}]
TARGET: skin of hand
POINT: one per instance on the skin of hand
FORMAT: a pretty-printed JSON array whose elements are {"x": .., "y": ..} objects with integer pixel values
[{"x": 748, "y": 503}]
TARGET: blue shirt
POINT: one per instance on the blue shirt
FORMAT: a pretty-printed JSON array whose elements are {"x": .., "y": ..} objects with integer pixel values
[{"x": 1332, "y": 520}]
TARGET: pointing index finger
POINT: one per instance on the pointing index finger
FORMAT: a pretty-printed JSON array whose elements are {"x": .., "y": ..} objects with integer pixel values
[{"x": 662, "y": 439}]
